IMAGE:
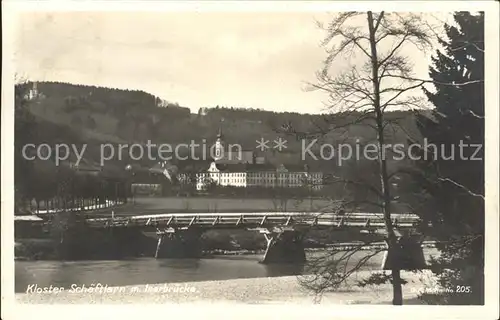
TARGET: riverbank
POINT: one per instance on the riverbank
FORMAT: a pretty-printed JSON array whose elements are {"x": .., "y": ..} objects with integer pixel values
[{"x": 274, "y": 290}]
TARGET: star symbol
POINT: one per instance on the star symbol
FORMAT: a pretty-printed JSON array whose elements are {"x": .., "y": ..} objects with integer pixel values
[
  {"x": 262, "y": 144},
  {"x": 280, "y": 144}
]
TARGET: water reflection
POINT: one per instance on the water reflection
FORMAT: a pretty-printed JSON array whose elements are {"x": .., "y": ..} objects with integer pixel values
[
  {"x": 278, "y": 270},
  {"x": 179, "y": 263}
]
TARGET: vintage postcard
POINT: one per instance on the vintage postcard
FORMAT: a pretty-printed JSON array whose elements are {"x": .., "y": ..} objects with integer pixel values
[{"x": 267, "y": 159}]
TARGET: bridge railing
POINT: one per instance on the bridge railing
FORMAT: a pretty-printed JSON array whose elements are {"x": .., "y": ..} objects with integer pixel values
[{"x": 253, "y": 220}]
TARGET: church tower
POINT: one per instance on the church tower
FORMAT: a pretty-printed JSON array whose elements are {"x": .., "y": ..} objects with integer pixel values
[
  {"x": 33, "y": 92},
  {"x": 219, "y": 146}
]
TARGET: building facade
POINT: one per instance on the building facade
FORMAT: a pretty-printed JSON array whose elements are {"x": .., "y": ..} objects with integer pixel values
[
  {"x": 258, "y": 177},
  {"x": 34, "y": 93},
  {"x": 245, "y": 170}
]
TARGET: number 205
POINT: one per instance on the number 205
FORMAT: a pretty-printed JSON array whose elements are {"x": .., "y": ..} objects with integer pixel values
[{"x": 463, "y": 289}]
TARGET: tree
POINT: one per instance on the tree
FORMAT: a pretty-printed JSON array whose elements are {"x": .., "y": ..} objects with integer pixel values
[
  {"x": 24, "y": 133},
  {"x": 90, "y": 122},
  {"x": 455, "y": 187},
  {"x": 377, "y": 78},
  {"x": 43, "y": 182},
  {"x": 280, "y": 196},
  {"x": 76, "y": 120}
]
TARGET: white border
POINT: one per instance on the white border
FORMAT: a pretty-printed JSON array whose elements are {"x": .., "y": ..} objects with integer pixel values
[{"x": 12, "y": 310}]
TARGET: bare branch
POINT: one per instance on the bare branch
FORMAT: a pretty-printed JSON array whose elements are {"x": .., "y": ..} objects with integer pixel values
[
  {"x": 379, "y": 19},
  {"x": 400, "y": 92},
  {"x": 436, "y": 82},
  {"x": 462, "y": 187},
  {"x": 389, "y": 56},
  {"x": 475, "y": 114}
]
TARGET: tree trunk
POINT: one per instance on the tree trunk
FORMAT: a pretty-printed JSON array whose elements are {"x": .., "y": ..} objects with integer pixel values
[
  {"x": 384, "y": 178},
  {"x": 310, "y": 199}
]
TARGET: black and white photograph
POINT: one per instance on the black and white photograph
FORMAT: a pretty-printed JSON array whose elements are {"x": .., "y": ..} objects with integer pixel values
[{"x": 261, "y": 156}]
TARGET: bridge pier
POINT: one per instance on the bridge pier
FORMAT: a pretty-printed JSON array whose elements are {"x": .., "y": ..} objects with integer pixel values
[
  {"x": 409, "y": 255},
  {"x": 284, "y": 246},
  {"x": 179, "y": 243}
]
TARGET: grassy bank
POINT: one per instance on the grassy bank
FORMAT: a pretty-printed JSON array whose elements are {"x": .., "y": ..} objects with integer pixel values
[
  {"x": 236, "y": 204},
  {"x": 221, "y": 204}
]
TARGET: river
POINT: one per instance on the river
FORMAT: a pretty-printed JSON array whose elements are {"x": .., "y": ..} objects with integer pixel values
[
  {"x": 153, "y": 271},
  {"x": 144, "y": 271}
]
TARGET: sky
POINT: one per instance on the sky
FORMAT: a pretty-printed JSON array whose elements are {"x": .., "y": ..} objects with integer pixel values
[{"x": 256, "y": 60}]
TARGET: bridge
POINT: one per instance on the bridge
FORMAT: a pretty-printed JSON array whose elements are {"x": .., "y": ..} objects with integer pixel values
[
  {"x": 255, "y": 219},
  {"x": 179, "y": 233}
]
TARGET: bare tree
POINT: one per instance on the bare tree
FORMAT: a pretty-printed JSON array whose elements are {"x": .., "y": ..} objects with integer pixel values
[
  {"x": 279, "y": 196},
  {"x": 372, "y": 74}
]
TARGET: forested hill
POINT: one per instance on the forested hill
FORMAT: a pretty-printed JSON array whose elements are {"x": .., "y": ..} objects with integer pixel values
[{"x": 123, "y": 116}]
